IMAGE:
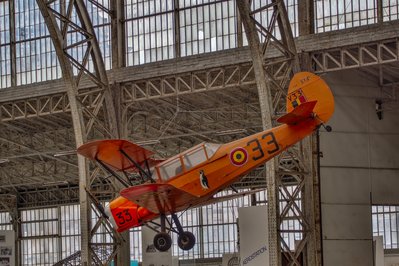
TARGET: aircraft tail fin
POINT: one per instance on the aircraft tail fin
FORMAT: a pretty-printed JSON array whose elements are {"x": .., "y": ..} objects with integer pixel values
[{"x": 308, "y": 96}]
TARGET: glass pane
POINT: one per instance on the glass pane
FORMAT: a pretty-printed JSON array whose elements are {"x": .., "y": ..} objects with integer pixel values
[
  {"x": 194, "y": 158},
  {"x": 385, "y": 223},
  {"x": 170, "y": 169},
  {"x": 211, "y": 148},
  {"x": 341, "y": 14}
]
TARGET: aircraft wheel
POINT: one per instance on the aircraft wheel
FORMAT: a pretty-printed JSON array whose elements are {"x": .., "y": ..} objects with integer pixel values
[
  {"x": 186, "y": 240},
  {"x": 162, "y": 241}
]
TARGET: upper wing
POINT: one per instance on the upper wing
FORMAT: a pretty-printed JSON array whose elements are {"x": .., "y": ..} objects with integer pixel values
[
  {"x": 300, "y": 113},
  {"x": 159, "y": 198},
  {"x": 110, "y": 152}
]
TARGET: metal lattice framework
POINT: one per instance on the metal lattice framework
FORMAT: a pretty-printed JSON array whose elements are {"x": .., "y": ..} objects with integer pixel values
[
  {"x": 292, "y": 163},
  {"x": 71, "y": 29},
  {"x": 361, "y": 55}
]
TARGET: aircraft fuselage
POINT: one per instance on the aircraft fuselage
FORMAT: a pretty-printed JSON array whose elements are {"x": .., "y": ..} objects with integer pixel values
[{"x": 233, "y": 160}]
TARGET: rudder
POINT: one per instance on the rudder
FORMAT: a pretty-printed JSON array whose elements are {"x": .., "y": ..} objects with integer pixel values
[{"x": 308, "y": 87}]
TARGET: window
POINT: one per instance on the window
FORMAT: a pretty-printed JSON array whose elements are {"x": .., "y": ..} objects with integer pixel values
[
  {"x": 386, "y": 224},
  {"x": 264, "y": 17},
  {"x": 191, "y": 158},
  {"x": 5, "y": 221},
  {"x": 36, "y": 59},
  {"x": 211, "y": 148},
  {"x": 102, "y": 26},
  {"x": 70, "y": 230},
  {"x": 149, "y": 29},
  {"x": 135, "y": 244},
  {"x": 5, "y": 58},
  {"x": 341, "y": 14},
  {"x": 390, "y": 10},
  {"x": 170, "y": 169},
  {"x": 49, "y": 234},
  {"x": 194, "y": 157},
  {"x": 39, "y": 230},
  {"x": 207, "y": 26}
]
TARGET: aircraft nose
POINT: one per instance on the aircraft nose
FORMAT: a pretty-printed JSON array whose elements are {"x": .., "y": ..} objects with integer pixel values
[{"x": 110, "y": 216}]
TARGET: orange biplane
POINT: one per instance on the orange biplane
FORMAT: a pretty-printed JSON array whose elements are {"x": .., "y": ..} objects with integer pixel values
[{"x": 191, "y": 178}]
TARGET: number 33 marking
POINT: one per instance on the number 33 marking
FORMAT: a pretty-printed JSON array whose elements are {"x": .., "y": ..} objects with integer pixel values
[{"x": 271, "y": 144}]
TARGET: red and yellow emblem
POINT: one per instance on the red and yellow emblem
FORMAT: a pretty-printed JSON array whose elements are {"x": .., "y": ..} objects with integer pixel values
[
  {"x": 296, "y": 98},
  {"x": 238, "y": 156}
]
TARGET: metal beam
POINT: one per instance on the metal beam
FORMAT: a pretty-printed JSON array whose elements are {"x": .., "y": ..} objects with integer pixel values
[
  {"x": 358, "y": 56},
  {"x": 269, "y": 85},
  {"x": 13, "y": 47},
  {"x": 313, "y": 43},
  {"x": 87, "y": 42},
  {"x": 305, "y": 17},
  {"x": 118, "y": 34}
]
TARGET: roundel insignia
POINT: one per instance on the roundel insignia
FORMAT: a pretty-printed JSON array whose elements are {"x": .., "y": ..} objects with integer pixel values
[{"x": 238, "y": 156}]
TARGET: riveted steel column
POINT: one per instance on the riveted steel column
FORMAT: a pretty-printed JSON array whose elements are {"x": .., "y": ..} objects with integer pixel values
[
  {"x": 305, "y": 17},
  {"x": 98, "y": 76},
  {"x": 118, "y": 34},
  {"x": 78, "y": 126},
  {"x": 123, "y": 255},
  {"x": 267, "y": 110},
  {"x": 177, "y": 28},
  {"x": 118, "y": 61},
  {"x": 268, "y": 82},
  {"x": 311, "y": 191},
  {"x": 13, "y": 47},
  {"x": 98, "y": 63},
  {"x": 380, "y": 12}
]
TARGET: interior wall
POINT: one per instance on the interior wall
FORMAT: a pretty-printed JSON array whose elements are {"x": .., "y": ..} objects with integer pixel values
[{"x": 359, "y": 167}]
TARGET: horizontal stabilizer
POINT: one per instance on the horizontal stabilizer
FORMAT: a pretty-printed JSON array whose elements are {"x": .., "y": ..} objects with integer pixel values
[
  {"x": 159, "y": 198},
  {"x": 300, "y": 113}
]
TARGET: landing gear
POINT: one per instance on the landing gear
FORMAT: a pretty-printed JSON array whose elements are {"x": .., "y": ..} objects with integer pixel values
[
  {"x": 163, "y": 241},
  {"x": 186, "y": 240}
]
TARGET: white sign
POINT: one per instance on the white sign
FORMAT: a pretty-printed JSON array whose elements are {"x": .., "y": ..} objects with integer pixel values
[
  {"x": 254, "y": 236},
  {"x": 7, "y": 248},
  {"x": 231, "y": 259},
  {"x": 151, "y": 256}
]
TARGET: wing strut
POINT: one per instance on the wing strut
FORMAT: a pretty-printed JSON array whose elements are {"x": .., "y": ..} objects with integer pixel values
[
  {"x": 147, "y": 174},
  {"x": 126, "y": 184}
]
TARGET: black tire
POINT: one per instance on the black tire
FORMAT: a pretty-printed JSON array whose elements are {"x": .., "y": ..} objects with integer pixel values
[
  {"x": 162, "y": 242},
  {"x": 186, "y": 240}
]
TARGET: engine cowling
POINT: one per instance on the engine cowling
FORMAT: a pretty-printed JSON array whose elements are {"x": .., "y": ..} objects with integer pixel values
[{"x": 125, "y": 214}]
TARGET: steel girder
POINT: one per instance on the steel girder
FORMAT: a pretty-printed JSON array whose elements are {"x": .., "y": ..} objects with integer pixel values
[
  {"x": 64, "y": 19},
  {"x": 361, "y": 55},
  {"x": 294, "y": 163},
  {"x": 374, "y": 55}
]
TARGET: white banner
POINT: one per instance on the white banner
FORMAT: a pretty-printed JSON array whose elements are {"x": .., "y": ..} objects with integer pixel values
[
  {"x": 151, "y": 256},
  {"x": 254, "y": 236}
]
